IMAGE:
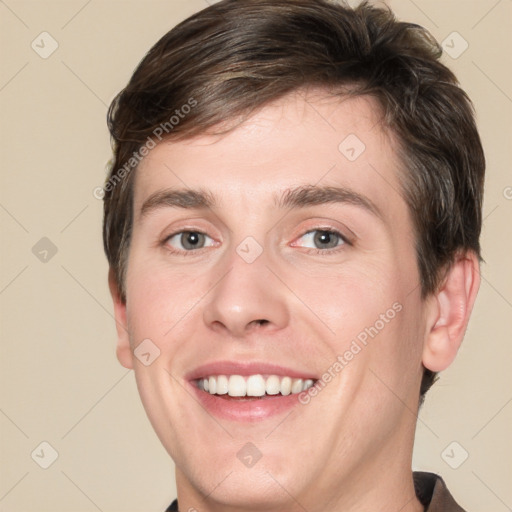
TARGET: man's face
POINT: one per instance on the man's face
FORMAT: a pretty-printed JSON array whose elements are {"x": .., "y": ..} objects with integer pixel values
[{"x": 254, "y": 284}]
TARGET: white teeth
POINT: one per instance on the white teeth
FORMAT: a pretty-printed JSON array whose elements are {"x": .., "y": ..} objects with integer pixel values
[
  {"x": 212, "y": 385},
  {"x": 222, "y": 385},
  {"x": 237, "y": 386},
  {"x": 286, "y": 386},
  {"x": 273, "y": 385},
  {"x": 307, "y": 384},
  {"x": 296, "y": 385},
  {"x": 253, "y": 385}
]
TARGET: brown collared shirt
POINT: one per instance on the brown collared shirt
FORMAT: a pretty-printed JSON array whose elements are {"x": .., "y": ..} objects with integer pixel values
[
  {"x": 433, "y": 494},
  {"x": 430, "y": 490}
]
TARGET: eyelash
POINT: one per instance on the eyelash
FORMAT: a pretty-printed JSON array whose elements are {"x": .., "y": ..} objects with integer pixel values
[{"x": 320, "y": 252}]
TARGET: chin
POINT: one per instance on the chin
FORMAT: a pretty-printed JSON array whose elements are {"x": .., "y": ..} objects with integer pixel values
[{"x": 243, "y": 488}]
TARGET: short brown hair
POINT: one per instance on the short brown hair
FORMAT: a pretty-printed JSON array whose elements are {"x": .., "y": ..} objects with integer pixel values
[{"x": 236, "y": 56}]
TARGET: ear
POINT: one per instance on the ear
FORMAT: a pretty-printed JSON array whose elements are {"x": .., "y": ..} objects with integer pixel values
[
  {"x": 123, "y": 350},
  {"x": 448, "y": 315}
]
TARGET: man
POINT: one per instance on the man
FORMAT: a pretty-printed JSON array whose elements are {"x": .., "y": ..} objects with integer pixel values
[{"x": 292, "y": 224}]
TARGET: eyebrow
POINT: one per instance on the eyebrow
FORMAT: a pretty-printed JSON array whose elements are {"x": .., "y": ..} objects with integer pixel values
[
  {"x": 297, "y": 197},
  {"x": 310, "y": 195},
  {"x": 177, "y": 198}
]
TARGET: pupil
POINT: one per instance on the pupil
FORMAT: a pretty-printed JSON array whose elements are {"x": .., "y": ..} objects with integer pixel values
[
  {"x": 190, "y": 239},
  {"x": 326, "y": 238}
]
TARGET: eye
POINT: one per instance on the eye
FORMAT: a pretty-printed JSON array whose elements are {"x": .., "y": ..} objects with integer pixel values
[
  {"x": 187, "y": 240},
  {"x": 323, "y": 239}
]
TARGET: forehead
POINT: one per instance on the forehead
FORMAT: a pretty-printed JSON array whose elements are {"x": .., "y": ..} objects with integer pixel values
[{"x": 302, "y": 139}]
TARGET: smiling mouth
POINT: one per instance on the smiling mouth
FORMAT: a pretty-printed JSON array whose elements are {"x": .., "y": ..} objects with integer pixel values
[{"x": 251, "y": 387}]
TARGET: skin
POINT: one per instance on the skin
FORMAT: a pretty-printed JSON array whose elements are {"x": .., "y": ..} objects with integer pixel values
[{"x": 350, "y": 447}]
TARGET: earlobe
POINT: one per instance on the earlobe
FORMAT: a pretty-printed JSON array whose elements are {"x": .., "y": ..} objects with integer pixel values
[
  {"x": 449, "y": 312},
  {"x": 123, "y": 349}
]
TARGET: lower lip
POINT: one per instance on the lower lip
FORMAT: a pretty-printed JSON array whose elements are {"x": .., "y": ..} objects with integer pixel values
[{"x": 245, "y": 410}]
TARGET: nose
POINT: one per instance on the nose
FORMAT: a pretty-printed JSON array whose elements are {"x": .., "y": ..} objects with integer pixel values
[{"x": 247, "y": 298}]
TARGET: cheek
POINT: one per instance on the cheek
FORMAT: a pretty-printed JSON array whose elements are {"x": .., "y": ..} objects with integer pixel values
[
  {"x": 348, "y": 298},
  {"x": 373, "y": 318},
  {"x": 158, "y": 296}
]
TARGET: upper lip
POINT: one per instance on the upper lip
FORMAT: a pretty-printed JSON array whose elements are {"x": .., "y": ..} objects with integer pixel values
[{"x": 245, "y": 368}]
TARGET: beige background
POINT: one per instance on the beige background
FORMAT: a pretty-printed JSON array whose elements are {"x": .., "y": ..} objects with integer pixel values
[{"x": 60, "y": 381}]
